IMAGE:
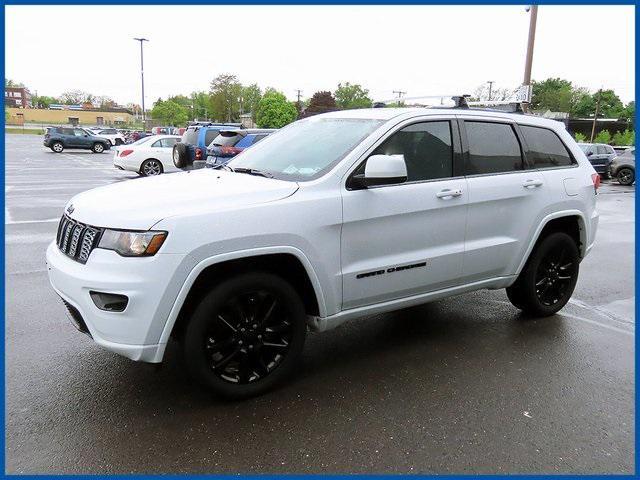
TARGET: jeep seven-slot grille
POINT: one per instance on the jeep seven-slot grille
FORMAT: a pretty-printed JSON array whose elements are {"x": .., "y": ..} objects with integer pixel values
[{"x": 77, "y": 240}]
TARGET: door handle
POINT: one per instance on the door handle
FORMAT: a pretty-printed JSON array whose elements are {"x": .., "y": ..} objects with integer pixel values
[
  {"x": 532, "y": 183},
  {"x": 447, "y": 193}
]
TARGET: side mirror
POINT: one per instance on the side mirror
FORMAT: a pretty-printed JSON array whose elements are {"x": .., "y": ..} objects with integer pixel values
[
  {"x": 589, "y": 154},
  {"x": 381, "y": 170}
]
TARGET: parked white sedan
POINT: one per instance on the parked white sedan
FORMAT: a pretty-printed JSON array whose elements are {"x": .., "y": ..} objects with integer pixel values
[{"x": 148, "y": 156}]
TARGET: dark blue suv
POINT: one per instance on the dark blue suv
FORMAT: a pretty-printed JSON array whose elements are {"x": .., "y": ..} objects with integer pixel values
[
  {"x": 191, "y": 150},
  {"x": 59, "y": 138}
]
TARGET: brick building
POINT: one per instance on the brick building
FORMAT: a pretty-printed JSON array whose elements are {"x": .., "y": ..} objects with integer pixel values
[{"x": 17, "y": 97}]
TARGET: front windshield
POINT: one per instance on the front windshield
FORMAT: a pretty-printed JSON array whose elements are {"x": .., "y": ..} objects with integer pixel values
[{"x": 306, "y": 149}]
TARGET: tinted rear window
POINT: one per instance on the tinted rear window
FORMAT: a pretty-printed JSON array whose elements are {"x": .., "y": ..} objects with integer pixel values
[
  {"x": 493, "y": 148},
  {"x": 546, "y": 150},
  {"x": 225, "y": 140},
  {"x": 210, "y": 135}
]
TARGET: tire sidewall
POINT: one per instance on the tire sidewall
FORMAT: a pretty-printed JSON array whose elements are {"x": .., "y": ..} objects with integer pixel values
[
  {"x": 194, "y": 351},
  {"x": 61, "y": 147},
  {"x": 96, "y": 148},
  {"x": 149, "y": 161},
  {"x": 633, "y": 176},
  {"x": 527, "y": 281}
]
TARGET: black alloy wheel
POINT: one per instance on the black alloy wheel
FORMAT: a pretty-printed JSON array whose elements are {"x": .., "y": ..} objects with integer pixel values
[{"x": 245, "y": 335}]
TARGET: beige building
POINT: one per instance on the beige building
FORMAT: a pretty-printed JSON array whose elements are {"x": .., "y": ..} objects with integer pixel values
[{"x": 20, "y": 116}]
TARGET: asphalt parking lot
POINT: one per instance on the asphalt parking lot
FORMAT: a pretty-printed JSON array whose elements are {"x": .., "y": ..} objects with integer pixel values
[{"x": 462, "y": 385}]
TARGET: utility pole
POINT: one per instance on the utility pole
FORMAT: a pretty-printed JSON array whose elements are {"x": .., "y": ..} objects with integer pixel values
[
  {"x": 299, "y": 93},
  {"x": 400, "y": 93},
  {"x": 144, "y": 113},
  {"x": 533, "y": 18},
  {"x": 490, "y": 82},
  {"x": 595, "y": 117}
]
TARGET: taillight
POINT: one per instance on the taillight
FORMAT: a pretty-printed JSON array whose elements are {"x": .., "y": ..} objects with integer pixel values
[
  {"x": 198, "y": 154},
  {"x": 230, "y": 150},
  {"x": 595, "y": 178},
  {"x": 124, "y": 153}
]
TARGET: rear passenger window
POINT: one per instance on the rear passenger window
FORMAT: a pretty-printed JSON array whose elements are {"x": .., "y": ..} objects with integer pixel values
[
  {"x": 427, "y": 150},
  {"x": 493, "y": 148},
  {"x": 546, "y": 150},
  {"x": 210, "y": 135}
]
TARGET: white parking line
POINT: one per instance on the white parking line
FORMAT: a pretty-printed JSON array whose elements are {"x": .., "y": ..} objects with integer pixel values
[{"x": 22, "y": 222}]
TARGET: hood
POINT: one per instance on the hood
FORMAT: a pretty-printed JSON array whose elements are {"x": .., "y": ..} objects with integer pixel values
[{"x": 138, "y": 204}]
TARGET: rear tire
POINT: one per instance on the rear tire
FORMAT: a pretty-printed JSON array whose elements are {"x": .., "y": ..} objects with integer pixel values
[
  {"x": 57, "y": 147},
  {"x": 97, "y": 147},
  {"x": 246, "y": 335},
  {"x": 547, "y": 281},
  {"x": 626, "y": 176},
  {"x": 151, "y": 168}
]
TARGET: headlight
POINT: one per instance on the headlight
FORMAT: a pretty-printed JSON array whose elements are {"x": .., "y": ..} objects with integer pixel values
[{"x": 132, "y": 244}]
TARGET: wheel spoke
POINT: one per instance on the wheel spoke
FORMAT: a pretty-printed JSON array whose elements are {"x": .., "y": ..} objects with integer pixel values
[
  {"x": 225, "y": 361},
  {"x": 217, "y": 346},
  {"x": 564, "y": 278},
  {"x": 542, "y": 282},
  {"x": 284, "y": 344},
  {"x": 220, "y": 317},
  {"x": 244, "y": 368},
  {"x": 267, "y": 315}
]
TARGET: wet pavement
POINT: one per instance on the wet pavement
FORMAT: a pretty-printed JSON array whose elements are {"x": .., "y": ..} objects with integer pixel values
[{"x": 462, "y": 385}]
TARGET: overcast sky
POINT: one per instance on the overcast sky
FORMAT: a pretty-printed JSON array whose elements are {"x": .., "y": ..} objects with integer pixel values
[{"x": 418, "y": 49}]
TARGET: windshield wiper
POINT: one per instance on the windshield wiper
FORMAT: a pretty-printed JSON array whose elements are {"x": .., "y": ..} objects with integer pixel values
[
  {"x": 253, "y": 171},
  {"x": 222, "y": 165}
]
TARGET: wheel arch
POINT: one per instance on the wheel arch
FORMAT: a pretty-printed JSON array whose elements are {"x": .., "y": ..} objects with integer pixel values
[
  {"x": 287, "y": 262},
  {"x": 570, "y": 221}
]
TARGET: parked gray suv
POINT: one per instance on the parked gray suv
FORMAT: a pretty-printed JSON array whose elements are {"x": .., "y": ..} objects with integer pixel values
[
  {"x": 600, "y": 156},
  {"x": 59, "y": 138}
]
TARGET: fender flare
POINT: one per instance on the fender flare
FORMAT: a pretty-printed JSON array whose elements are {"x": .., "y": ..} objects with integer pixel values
[
  {"x": 207, "y": 262},
  {"x": 543, "y": 223}
]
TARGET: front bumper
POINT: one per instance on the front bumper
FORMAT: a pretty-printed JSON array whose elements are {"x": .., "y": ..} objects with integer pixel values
[{"x": 135, "y": 332}]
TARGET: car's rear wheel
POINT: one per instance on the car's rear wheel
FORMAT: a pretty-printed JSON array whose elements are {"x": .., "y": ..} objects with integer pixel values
[
  {"x": 98, "y": 147},
  {"x": 57, "y": 147},
  {"x": 246, "y": 335},
  {"x": 626, "y": 176},
  {"x": 547, "y": 281},
  {"x": 151, "y": 168},
  {"x": 118, "y": 141}
]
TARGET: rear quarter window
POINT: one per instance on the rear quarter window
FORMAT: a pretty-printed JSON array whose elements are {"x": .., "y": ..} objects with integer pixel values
[
  {"x": 545, "y": 149},
  {"x": 190, "y": 136},
  {"x": 210, "y": 135}
]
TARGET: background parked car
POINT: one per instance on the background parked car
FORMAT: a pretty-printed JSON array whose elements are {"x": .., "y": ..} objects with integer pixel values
[
  {"x": 136, "y": 135},
  {"x": 229, "y": 143},
  {"x": 111, "y": 134},
  {"x": 191, "y": 150},
  {"x": 59, "y": 138},
  {"x": 600, "y": 156},
  {"x": 148, "y": 157},
  {"x": 620, "y": 149},
  {"x": 623, "y": 167}
]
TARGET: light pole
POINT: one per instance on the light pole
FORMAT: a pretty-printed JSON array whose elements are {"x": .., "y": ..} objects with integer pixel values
[
  {"x": 144, "y": 115},
  {"x": 490, "y": 82},
  {"x": 533, "y": 18}
]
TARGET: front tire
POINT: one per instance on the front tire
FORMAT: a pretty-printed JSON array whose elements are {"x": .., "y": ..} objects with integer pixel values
[
  {"x": 57, "y": 147},
  {"x": 151, "y": 168},
  {"x": 98, "y": 148},
  {"x": 547, "y": 281},
  {"x": 626, "y": 176},
  {"x": 246, "y": 335}
]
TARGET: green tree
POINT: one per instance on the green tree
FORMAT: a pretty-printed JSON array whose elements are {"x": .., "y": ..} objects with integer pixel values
[
  {"x": 201, "y": 105},
  {"x": 43, "y": 101},
  {"x": 610, "y": 105},
  {"x": 225, "y": 97},
  {"x": 250, "y": 98},
  {"x": 629, "y": 112},
  {"x": 321, "y": 102},
  {"x": 10, "y": 83},
  {"x": 352, "y": 96},
  {"x": 556, "y": 94},
  {"x": 274, "y": 110},
  {"x": 580, "y": 137},
  {"x": 628, "y": 137},
  {"x": 603, "y": 137},
  {"x": 170, "y": 113}
]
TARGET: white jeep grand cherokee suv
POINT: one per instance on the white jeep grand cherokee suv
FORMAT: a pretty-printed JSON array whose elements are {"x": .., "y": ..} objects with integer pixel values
[{"x": 334, "y": 217}]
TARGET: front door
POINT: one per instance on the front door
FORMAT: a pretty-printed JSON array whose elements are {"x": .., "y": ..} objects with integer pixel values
[{"x": 406, "y": 239}]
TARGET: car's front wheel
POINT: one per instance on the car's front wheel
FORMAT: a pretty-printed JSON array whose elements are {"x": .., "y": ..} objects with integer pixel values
[
  {"x": 98, "y": 147},
  {"x": 151, "y": 168},
  {"x": 547, "y": 281},
  {"x": 57, "y": 147},
  {"x": 626, "y": 176},
  {"x": 246, "y": 335}
]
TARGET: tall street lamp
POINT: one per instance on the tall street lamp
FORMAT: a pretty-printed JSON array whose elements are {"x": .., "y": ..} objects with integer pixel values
[
  {"x": 144, "y": 114},
  {"x": 533, "y": 17}
]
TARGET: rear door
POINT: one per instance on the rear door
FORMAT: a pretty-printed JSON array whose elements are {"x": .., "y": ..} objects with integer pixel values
[
  {"x": 505, "y": 197},
  {"x": 405, "y": 239}
]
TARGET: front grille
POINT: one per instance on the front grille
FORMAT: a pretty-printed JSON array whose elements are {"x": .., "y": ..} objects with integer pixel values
[{"x": 77, "y": 240}]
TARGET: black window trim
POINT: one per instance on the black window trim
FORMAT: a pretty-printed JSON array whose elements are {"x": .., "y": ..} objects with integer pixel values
[
  {"x": 503, "y": 121},
  {"x": 455, "y": 140},
  {"x": 574, "y": 162}
]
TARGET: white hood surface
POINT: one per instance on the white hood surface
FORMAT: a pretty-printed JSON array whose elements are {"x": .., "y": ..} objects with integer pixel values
[{"x": 140, "y": 203}]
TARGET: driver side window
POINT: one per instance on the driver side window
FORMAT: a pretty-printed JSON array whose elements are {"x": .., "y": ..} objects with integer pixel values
[{"x": 427, "y": 148}]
